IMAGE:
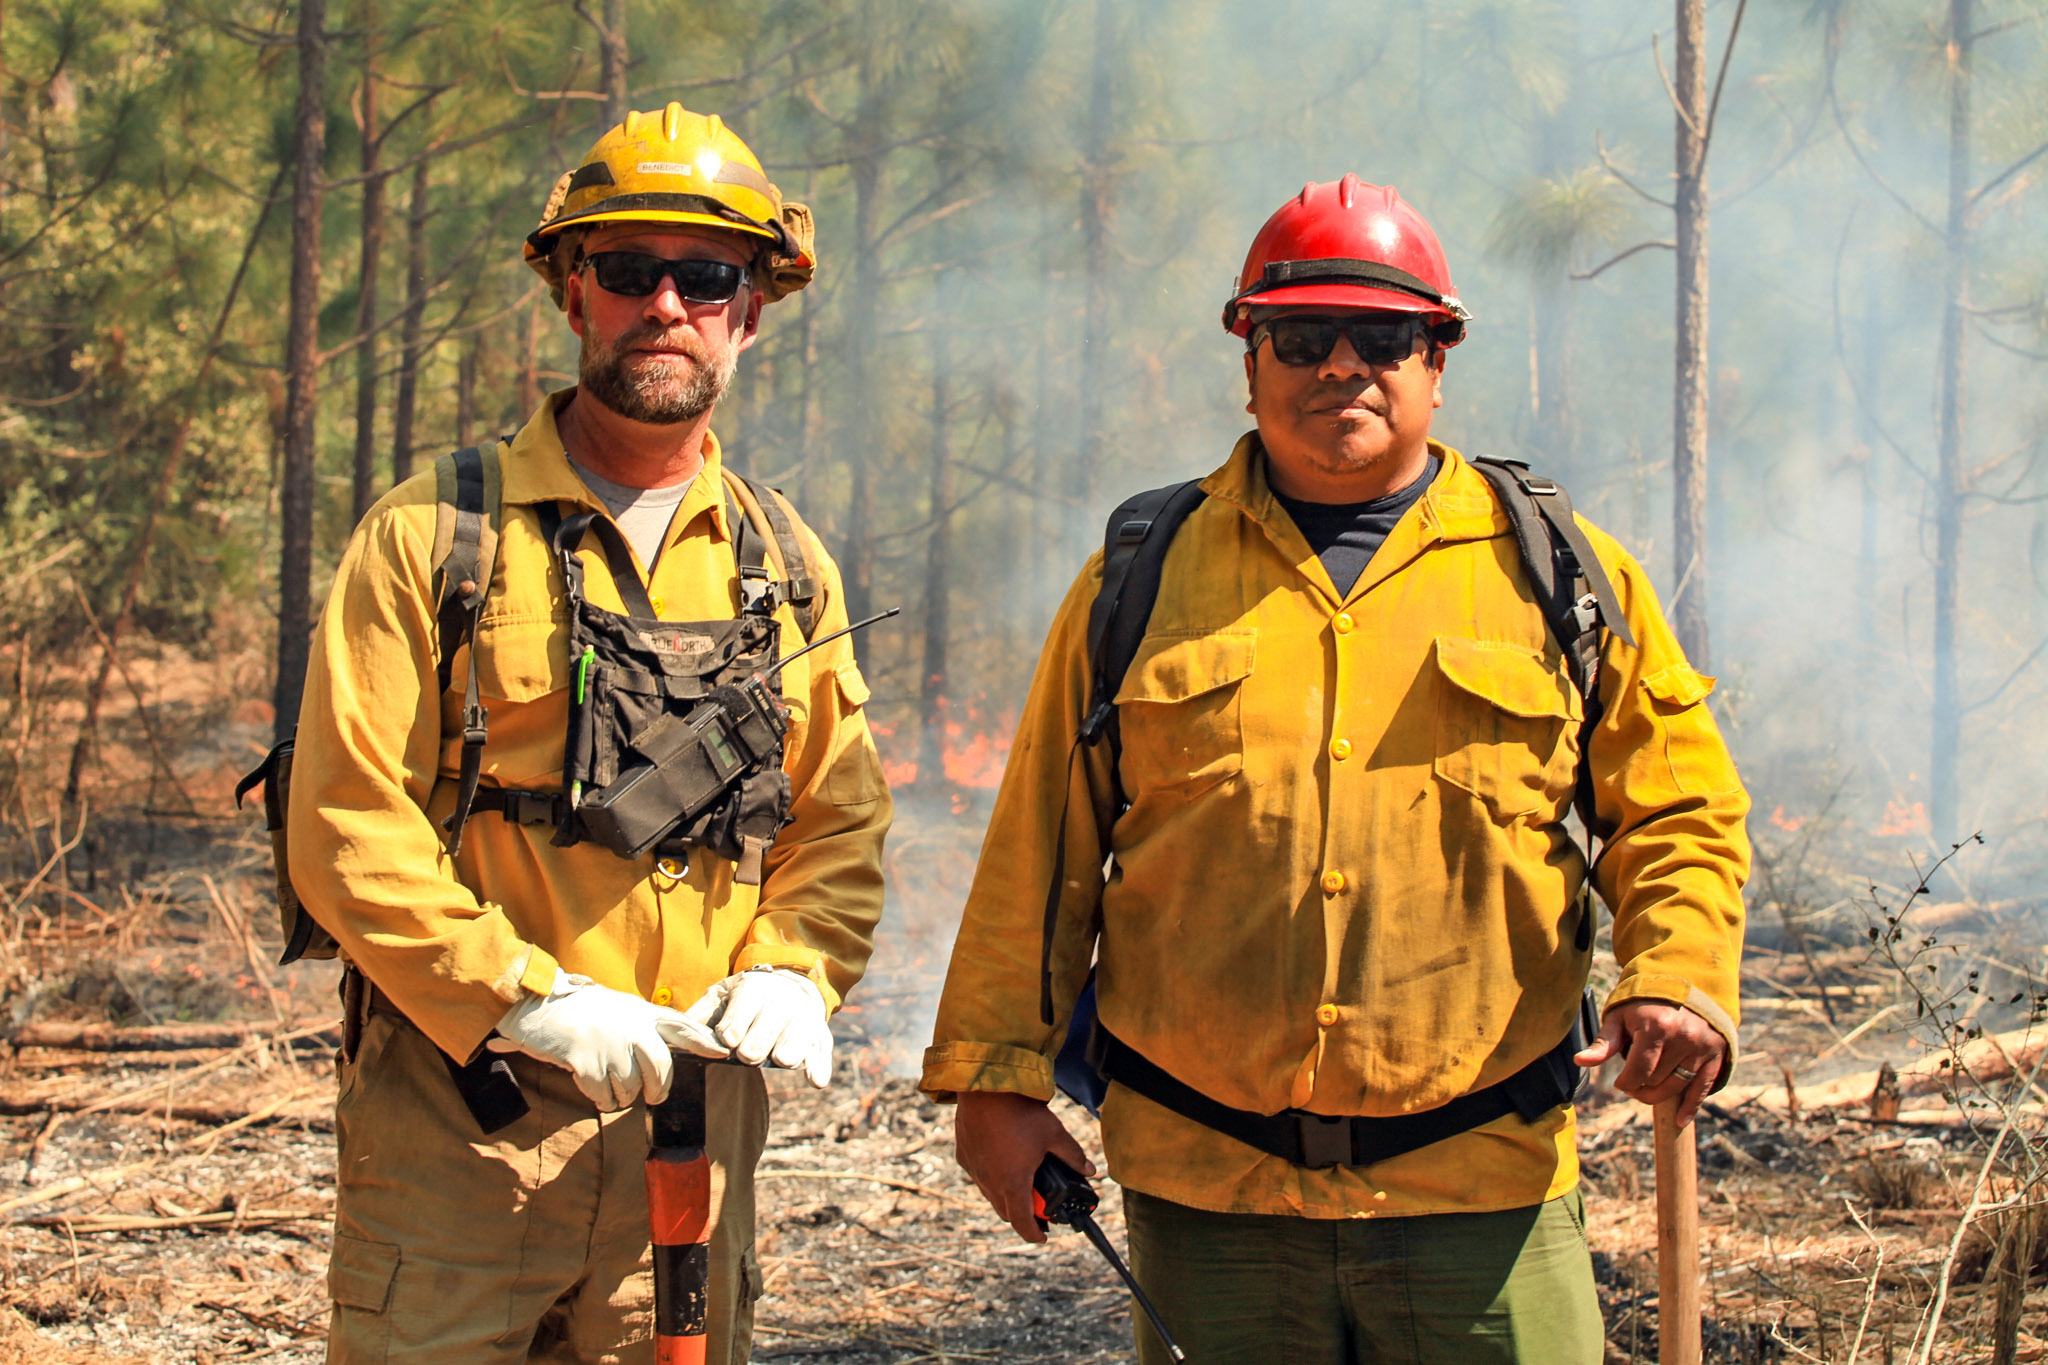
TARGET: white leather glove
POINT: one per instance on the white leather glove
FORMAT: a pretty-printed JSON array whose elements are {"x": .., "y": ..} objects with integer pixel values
[
  {"x": 764, "y": 1014},
  {"x": 610, "y": 1041}
]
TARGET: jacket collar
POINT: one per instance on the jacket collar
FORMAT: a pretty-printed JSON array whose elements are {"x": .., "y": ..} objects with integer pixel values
[
  {"x": 536, "y": 469},
  {"x": 1458, "y": 506}
]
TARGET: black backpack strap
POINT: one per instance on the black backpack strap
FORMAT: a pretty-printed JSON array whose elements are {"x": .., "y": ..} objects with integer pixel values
[
  {"x": 1134, "y": 546},
  {"x": 468, "y": 488},
  {"x": 760, "y": 591},
  {"x": 758, "y": 596},
  {"x": 1578, "y": 601}
]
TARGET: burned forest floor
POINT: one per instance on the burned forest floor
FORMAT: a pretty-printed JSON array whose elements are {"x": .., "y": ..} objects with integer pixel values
[{"x": 166, "y": 1159}]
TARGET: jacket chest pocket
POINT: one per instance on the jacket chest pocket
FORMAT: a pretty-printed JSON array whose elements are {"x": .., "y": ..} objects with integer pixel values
[
  {"x": 518, "y": 658},
  {"x": 1180, "y": 710},
  {"x": 1506, "y": 723}
]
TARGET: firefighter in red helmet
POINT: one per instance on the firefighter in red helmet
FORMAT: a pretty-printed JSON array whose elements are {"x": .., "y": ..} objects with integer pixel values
[{"x": 1280, "y": 876}]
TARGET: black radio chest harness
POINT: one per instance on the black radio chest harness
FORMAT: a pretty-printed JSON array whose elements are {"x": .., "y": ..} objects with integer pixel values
[{"x": 1578, "y": 602}]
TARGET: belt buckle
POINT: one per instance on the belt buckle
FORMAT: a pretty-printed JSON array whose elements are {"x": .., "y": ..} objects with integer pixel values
[
  {"x": 1325, "y": 1141},
  {"x": 532, "y": 808}
]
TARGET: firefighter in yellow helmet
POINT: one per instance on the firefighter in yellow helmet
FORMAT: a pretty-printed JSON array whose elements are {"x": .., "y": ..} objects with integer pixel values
[{"x": 527, "y": 940}]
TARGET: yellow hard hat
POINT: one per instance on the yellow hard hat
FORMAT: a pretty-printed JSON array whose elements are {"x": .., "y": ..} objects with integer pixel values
[{"x": 676, "y": 167}]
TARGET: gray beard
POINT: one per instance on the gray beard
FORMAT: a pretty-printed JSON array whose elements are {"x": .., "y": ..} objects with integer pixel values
[{"x": 654, "y": 397}]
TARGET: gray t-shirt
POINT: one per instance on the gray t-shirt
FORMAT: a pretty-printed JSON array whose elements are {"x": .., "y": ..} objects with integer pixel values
[{"x": 643, "y": 514}]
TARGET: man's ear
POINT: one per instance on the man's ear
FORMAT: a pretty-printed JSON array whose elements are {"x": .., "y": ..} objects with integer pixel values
[
  {"x": 572, "y": 301},
  {"x": 750, "y": 326},
  {"x": 1251, "y": 387},
  {"x": 1436, "y": 385}
]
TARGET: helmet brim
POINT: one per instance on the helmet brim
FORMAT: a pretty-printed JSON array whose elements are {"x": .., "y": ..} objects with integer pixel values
[
  {"x": 654, "y": 216},
  {"x": 1329, "y": 296}
]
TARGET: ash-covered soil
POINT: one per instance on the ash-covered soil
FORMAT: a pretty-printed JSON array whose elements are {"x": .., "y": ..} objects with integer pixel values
[{"x": 129, "y": 1236}]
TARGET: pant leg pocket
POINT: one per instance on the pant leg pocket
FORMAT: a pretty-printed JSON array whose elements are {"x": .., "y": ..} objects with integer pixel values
[
  {"x": 749, "y": 1289},
  {"x": 1574, "y": 1204},
  {"x": 360, "y": 1275}
]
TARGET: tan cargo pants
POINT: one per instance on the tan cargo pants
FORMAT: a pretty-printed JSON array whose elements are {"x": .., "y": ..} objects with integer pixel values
[{"x": 530, "y": 1244}]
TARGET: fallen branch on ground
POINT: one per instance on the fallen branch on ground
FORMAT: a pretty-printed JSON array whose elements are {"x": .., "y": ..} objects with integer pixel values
[
  {"x": 123, "y": 1222},
  {"x": 167, "y": 1037},
  {"x": 1990, "y": 1058}
]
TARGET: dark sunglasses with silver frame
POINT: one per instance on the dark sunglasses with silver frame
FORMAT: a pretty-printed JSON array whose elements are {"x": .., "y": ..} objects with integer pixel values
[
  {"x": 1378, "y": 338},
  {"x": 636, "y": 274}
]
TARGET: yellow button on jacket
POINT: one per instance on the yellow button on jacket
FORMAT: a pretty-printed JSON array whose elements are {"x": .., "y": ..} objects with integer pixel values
[
  {"x": 379, "y": 743},
  {"x": 1373, "y": 936}
]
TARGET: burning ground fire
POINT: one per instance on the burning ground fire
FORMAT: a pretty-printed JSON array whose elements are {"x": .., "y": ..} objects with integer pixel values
[{"x": 974, "y": 748}]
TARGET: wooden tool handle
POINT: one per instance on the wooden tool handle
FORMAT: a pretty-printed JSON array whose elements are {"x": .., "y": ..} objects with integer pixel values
[{"x": 1678, "y": 1239}]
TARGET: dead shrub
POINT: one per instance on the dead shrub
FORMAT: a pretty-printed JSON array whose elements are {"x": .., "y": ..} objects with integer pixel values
[
  {"x": 1892, "y": 1184},
  {"x": 2027, "y": 1226}
]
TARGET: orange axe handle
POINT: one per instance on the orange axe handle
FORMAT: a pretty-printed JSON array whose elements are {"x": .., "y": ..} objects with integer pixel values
[
  {"x": 1678, "y": 1238},
  {"x": 679, "y": 1212}
]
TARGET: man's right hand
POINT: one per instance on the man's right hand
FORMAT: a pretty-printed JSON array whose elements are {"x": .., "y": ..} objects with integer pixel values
[
  {"x": 611, "y": 1042},
  {"x": 1000, "y": 1138}
]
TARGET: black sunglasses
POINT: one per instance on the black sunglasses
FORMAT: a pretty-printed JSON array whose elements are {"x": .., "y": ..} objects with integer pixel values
[
  {"x": 1308, "y": 338},
  {"x": 635, "y": 275}
]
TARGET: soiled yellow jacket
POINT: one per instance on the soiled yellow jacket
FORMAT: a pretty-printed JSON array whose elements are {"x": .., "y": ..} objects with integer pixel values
[
  {"x": 1344, "y": 883},
  {"x": 379, "y": 742}
]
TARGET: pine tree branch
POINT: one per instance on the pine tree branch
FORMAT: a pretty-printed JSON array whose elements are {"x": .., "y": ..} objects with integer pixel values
[
  {"x": 1607, "y": 162},
  {"x": 1595, "y": 272},
  {"x": 1720, "y": 79}
]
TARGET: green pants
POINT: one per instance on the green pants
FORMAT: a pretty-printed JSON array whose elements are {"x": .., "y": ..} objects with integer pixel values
[{"x": 1440, "y": 1289}]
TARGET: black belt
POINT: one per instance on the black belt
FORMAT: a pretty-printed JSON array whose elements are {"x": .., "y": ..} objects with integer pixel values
[
  {"x": 1320, "y": 1141},
  {"x": 520, "y": 807}
]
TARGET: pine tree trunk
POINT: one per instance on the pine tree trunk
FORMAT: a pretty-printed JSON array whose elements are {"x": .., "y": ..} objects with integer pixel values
[
  {"x": 367, "y": 357},
  {"x": 863, "y": 326},
  {"x": 409, "y": 331},
  {"x": 1095, "y": 210},
  {"x": 526, "y": 396},
  {"x": 938, "y": 559},
  {"x": 302, "y": 359},
  {"x": 612, "y": 55},
  {"x": 1949, "y": 480},
  {"x": 465, "y": 390},
  {"x": 1049, "y": 538},
  {"x": 1689, "y": 414},
  {"x": 1867, "y": 436},
  {"x": 804, "y": 440}
]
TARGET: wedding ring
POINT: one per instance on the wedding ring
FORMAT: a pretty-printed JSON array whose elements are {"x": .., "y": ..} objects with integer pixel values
[{"x": 1685, "y": 1073}]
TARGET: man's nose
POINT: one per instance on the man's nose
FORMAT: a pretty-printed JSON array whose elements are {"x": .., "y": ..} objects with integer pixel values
[
  {"x": 1343, "y": 362},
  {"x": 665, "y": 306}
]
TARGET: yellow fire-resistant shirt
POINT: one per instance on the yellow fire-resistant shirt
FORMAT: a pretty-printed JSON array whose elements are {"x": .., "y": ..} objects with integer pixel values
[
  {"x": 1344, "y": 883},
  {"x": 379, "y": 744}
]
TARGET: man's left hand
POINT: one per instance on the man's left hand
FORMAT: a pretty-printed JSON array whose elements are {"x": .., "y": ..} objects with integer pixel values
[
  {"x": 1670, "y": 1050},
  {"x": 765, "y": 1014}
]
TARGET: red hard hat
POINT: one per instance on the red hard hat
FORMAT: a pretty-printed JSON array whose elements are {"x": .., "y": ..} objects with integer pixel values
[{"x": 1347, "y": 244}]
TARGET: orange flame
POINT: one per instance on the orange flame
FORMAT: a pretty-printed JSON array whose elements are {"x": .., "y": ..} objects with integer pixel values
[
  {"x": 1901, "y": 819},
  {"x": 1791, "y": 824},
  {"x": 973, "y": 748}
]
